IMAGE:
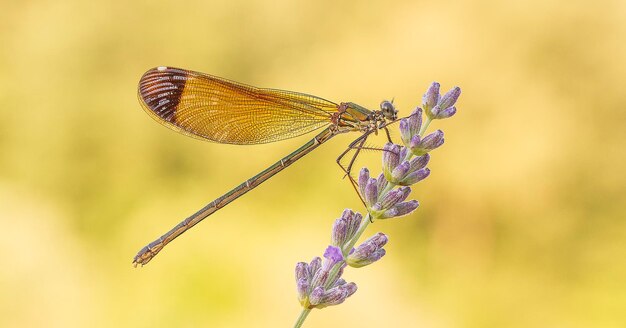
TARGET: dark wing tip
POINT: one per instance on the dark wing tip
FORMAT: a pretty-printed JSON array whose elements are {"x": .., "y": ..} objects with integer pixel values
[{"x": 160, "y": 90}]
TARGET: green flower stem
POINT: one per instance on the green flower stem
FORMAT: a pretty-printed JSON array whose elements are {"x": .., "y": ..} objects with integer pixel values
[
  {"x": 425, "y": 126},
  {"x": 305, "y": 312}
]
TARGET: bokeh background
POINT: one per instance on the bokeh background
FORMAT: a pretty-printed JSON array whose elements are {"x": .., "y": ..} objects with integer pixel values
[{"x": 521, "y": 222}]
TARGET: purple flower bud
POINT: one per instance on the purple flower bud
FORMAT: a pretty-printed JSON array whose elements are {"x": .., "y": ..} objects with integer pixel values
[
  {"x": 416, "y": 120},
  {"x": 315, "y": 265},
  {"x": 350, "y": 288},
  {"x": 369, "y": 252},
  {"x": 410, "y": 126},
  {"x": 381, "y": 182},
  {"x": 337, "y": 238},
  {"x": 302, "y": 287},
  {"x": 400, "y": 209},
  {"x": 354, "y": 222},
  {"x": 434, "y": 112},
  {"x": 375, "y": 256},
  {"x": 345, "y": 227},
  {"x": 391, "y": 159},
  {"x": 428, "y": 143},
  {"x": 333, "y": 296},
  {"x": 319, "y": 278},
  {"x": 405, "y": 133},
  {"x": 321, "y": 297},
  {"x": 379, "y": 240},
  {"x": 317, "y": 295},
  {"x": 400, "y": 171},
  {"x": 432, "y": 140},
  {"x": 431, "y": 97},
  {"x": 406, "y": 207},
  {"x": 415, "y": 177},
  {"x": 336, "y": 295},
  {"x": 415, "y": 142},
  {"x": 371, "y": 192},
  {"x": 438, "y": 113},
  {"x": 393, "y": 197},
  {"x": 403, "y": 154},
  {"x": 364, "y": 176},
  {"x": 445, "y": 113},
  {"x": 339, "y": 282},
  {"x": 419, "y": 162},
  {"x": 450, "y": 98},
  {"x": 302, "y": 271},
  {"x": 391, "y": 156}
]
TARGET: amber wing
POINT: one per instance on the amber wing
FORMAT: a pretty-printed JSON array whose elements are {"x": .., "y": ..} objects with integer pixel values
[{"x": 219, "y": 110}]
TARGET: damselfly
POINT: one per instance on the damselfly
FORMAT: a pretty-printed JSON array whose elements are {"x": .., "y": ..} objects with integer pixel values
[{"x": 215, "y": 109}]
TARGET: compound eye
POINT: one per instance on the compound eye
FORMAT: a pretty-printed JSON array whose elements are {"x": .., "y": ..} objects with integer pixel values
[{"x": 388, "y": 109}]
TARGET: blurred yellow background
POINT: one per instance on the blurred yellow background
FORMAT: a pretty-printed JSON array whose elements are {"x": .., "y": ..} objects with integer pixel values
[{"x": 521, "y": 222}]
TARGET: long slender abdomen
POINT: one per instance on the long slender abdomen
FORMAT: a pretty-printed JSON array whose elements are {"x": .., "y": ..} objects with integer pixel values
[{"x": 151, "y": 250}]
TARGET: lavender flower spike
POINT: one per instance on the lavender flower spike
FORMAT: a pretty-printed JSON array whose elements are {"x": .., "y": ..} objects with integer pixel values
[
  {"x": 391, "y": 159},
  {"x": 410, "y": 126},
  {"x": 431, "y": 97},
  {"x": 319, "y": 283}
]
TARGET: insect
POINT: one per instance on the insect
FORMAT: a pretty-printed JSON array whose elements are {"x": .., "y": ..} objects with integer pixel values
[{"x": 219, "y": 110}]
